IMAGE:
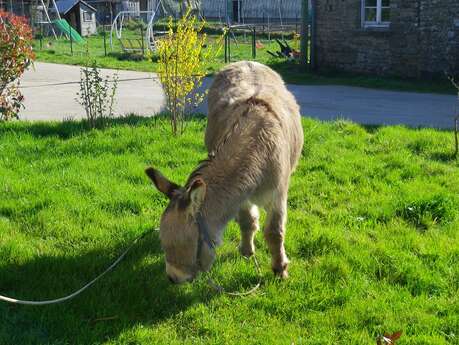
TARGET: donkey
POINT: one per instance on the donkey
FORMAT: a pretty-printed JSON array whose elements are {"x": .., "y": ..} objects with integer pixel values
[{"x": 254, "y": 139}]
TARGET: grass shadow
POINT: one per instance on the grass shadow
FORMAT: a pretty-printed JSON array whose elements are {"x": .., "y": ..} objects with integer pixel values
[
  {"x": 372, "y": 129},
  {"x": 69, "y": 128},
  {"x": 136, "y": 293},
  {"x": 443, "y": 157},
  {"x": 125, "y": 56}
]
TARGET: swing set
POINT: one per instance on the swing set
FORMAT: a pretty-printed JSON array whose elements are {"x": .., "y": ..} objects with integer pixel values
[
  {"x": 148, "y": 35},
  {"x": 42, "y": 13}
]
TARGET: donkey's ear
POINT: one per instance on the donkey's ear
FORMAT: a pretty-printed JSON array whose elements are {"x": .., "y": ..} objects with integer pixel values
[
  {"x": 165, "y": 186},
  {"x": 196, "y": 194}
]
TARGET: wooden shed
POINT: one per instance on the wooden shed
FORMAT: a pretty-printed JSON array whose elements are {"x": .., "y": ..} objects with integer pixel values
[{"x": 80, "y": 15}]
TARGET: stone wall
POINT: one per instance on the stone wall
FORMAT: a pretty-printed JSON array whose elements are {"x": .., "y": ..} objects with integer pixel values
[{"x": 421, "y": 41}]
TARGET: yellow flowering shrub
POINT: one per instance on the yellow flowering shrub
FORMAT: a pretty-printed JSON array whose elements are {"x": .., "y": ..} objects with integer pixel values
[{"x": 182, "y": 55}]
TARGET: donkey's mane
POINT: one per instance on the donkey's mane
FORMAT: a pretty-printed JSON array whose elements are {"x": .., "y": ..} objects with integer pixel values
[{"x": 197, "y": 172}]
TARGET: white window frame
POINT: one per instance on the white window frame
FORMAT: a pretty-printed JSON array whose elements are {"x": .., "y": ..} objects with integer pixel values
[
  {"x": 89, "y": 15},
  {"x": 378, "y": 23}
]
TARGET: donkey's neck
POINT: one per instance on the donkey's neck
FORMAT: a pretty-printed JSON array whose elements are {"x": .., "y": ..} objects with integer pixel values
[{"x": 223, "y": 199}]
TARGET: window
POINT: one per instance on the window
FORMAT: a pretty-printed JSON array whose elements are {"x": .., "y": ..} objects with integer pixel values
[
  {"x": 375, "y": 13},
  {"x": 87, "y": 16}
]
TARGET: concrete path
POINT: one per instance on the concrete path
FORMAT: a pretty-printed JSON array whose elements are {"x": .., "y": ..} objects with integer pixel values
[{"x": 50, "y": 92}]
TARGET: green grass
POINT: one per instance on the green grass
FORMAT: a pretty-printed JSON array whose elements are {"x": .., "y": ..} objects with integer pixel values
[
  {"x": 372, "y": 236},
  {"x": 59, "y": 52}
]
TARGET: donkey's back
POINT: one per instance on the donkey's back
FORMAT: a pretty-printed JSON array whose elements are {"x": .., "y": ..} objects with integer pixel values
[{"x": 232, "y": 96}]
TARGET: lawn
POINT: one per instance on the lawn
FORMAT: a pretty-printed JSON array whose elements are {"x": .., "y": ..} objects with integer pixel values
[
  {"x": 59, "y": 52},
  {"x": 372, "y": 236}
]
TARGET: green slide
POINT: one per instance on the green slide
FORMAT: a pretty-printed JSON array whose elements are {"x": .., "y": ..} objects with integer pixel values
[{"x": 65, "y": 27}]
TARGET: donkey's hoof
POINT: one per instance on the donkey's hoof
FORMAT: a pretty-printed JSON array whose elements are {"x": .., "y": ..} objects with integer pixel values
[
  {"x": 281, "y": 271},
  {"x": 246, "y": 251}
]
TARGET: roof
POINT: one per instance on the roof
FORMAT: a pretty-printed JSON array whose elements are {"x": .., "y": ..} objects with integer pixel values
[{"x": 63, "y": 6}]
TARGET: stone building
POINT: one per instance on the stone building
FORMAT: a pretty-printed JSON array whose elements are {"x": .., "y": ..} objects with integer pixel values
[{"x": 410, "y": 38}]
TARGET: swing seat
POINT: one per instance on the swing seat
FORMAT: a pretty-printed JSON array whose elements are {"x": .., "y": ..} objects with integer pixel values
[{"x": 130, "y": 45}]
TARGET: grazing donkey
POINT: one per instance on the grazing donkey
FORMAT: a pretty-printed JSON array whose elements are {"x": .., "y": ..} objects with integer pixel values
[{"x": 254, "y": 139}]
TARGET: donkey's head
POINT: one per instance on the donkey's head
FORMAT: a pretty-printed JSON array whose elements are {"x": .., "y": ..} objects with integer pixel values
[{"x": 187, "y": 249}]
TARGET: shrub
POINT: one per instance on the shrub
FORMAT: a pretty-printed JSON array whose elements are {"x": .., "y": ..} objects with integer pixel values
[
  {"x": 182, "y": 67},
  {"x": 15, "y": 55},
  {"x": 96, "y": 95},
  {"x": 136, "y": 25}
]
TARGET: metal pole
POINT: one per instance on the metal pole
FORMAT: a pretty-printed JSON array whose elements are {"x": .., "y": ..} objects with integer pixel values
[
  {"x": 304, "y": 33},
  {"x": 41, "y": 36},
  {"x": 71, "y": 39},
  {"x": 227, "y": 3},
  {"x": 141, "y": 37},
  {"x": 56, "y": 9},
  {"x": 312, "y": 53},
  {"x": 239, "y": 4},
  {"x": 105, "y": 41},
  {"x": 296, "y": 23},
  {"x": 254, "y": 44},
  {"x": 226, "y": 47},
  {"x": 45, "y": 8},
  {"x": 229, "y": 47}
]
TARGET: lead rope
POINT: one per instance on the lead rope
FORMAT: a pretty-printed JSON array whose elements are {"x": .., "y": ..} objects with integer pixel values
[
  {"x": 220, "y": 289},
  {"x": 76, "y": 293}
]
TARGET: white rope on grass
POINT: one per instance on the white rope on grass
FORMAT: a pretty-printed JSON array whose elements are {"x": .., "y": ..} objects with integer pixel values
[
  {"x": 220, "y": 289},
  {"x": 76, "y": 293}
]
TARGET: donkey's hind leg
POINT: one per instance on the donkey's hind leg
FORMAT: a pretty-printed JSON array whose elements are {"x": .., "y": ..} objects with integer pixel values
[
  {"x": 274, "y": 233},
  {"x": 248, "y": 222}
]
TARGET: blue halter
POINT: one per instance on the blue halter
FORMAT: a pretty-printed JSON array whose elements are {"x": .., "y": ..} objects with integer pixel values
[{"x": 204, "y": 235}]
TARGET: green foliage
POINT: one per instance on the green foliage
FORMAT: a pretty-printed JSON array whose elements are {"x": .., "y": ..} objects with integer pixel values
[
  {"x": 15, "y": 46},
  {"x": 136, "y": 25},
  {"x": 15, "y": 55},
  {"x": 182, "y": 66},
  {"x": 96, "y": 95},
  {"x": 73, "y": 198}
]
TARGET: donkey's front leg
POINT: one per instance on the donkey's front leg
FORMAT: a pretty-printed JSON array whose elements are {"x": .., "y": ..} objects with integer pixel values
[
  {"x": 248, "y": 222},
  {"x": 274, "y": 235}
]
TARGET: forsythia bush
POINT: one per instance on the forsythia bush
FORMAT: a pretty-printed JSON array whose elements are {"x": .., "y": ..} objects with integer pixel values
[
  {"x": 15, "y": 55},
  {"x": 182, "y": 56}
]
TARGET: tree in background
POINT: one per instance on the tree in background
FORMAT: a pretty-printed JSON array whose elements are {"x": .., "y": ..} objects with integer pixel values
[
  {"x": 15, "y": 55},
  {"x": 183, "y": 55}
]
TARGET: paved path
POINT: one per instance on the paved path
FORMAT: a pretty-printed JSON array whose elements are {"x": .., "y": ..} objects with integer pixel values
[{"x": 50, "y": 92}]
